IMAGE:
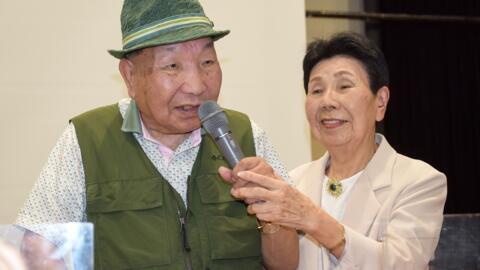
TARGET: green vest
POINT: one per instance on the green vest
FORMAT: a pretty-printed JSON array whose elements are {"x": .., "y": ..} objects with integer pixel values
[{"x": 139, "y": 217}]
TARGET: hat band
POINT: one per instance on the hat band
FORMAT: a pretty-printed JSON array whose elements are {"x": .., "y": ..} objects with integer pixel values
[{"x": 164, "y": 26}]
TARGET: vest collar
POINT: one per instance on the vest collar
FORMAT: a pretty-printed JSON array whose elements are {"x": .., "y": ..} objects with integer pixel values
[{"x": 131, "y": 117}]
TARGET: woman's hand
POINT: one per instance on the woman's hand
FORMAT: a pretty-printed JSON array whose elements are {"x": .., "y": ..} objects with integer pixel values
[
  {"x": 277, "y": 202},
  {"x": 279, "y": 248},
  {"x": 282, "y": 204}
]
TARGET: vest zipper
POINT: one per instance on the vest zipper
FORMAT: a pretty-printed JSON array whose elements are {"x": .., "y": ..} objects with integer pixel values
[{"x": 185, "y": 243}]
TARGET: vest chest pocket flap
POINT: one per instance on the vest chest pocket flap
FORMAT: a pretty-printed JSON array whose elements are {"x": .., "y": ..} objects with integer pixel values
[{"x": 131, "y": 228}]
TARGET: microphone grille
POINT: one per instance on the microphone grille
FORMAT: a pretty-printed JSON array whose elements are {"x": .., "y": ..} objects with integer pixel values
[{"x": 212, "y": 116}]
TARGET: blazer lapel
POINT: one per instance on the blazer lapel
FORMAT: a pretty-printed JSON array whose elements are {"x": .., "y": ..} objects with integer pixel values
[
  {"x": 364, "y": 196},
  {"x": 376, "y": 175},
  {"x": 311, "y": 186}
]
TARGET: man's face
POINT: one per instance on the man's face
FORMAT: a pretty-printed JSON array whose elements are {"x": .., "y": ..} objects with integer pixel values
[{"x": 169, "y": 83}]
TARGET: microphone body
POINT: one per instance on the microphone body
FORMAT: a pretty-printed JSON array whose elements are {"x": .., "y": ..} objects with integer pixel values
[{"x": 215, "y": 122}]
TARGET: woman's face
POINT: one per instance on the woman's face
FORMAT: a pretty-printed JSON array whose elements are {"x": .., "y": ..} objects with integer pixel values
[{"x": 340, "y": 107}]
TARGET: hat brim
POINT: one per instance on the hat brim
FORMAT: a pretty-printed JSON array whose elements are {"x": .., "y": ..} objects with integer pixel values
[{"x": 176, "y": 36}]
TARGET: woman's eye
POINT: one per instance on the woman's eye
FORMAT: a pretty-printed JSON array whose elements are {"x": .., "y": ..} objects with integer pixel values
[
  {"x": 316, "y": 91},
  {"x": 345, "y": 84}
]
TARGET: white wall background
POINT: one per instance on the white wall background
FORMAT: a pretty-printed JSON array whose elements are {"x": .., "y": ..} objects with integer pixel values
[{"x": 54, "y": 65}]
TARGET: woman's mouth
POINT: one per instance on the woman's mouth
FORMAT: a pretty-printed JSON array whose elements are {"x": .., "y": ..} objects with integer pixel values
[{"x": 332, "y": 123}]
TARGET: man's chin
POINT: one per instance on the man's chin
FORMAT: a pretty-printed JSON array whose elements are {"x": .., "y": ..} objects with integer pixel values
[{"x": 189, "y": 129}]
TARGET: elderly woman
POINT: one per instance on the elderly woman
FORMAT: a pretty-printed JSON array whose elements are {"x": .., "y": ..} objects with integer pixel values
[{"x": 362, "y": 205}]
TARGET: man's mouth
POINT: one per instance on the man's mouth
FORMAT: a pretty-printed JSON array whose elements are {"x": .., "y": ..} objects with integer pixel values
[{"x": 188, "y": 108}]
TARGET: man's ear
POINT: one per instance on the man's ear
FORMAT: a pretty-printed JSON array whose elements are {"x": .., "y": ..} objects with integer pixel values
[
  {"x": 382, "y": 97},
  {"x": 126, "y": 70}
]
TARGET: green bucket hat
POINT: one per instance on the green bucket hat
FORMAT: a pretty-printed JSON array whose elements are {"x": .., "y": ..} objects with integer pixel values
[{"x": 148, "y": 23}]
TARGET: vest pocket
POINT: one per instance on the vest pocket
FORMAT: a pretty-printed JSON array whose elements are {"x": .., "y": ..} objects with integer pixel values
[
  {"x": 232, "y": 232},
  {"x": 130, "y": 225},
  {"x": 216, "y": 198},
  {"x": 233, "y": 238}
]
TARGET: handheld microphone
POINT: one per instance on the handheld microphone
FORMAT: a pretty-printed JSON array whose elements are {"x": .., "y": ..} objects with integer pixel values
[{"x": 215, "y": 122}]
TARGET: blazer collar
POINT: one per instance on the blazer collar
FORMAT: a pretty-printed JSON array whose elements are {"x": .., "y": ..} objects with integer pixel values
[
  {"x": 311, "y": 183},
  {"x": 379, "y": 168}
]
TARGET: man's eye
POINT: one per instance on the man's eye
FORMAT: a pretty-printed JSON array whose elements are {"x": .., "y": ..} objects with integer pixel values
[
  {"x": 171, "y": 66},
  {"x": 208, "y": 62}
]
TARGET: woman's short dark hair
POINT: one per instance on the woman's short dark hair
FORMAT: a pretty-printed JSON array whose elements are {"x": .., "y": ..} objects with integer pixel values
[{"x": 351, "y": 45}]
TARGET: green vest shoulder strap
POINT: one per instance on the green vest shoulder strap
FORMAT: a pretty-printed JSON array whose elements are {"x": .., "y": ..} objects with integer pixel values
[
  {"x": 103, "y": 144},
  {"x": 136, "y": 212}
]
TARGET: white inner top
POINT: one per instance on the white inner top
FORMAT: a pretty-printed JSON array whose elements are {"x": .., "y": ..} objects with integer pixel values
[{"x": 335, "y": 207}]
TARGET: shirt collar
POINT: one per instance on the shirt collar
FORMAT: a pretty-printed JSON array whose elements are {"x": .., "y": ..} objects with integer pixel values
[{"x": 133, "y": 123}]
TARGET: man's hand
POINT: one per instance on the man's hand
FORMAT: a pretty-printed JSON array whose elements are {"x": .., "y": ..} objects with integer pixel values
[
  {"x": 37, "y": 252},
  {"x": 252, "y": 164}
]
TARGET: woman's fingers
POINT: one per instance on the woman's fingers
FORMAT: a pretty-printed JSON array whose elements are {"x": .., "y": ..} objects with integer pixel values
[
  {"x": 261, "y": 180},
  {"x": 286, "y": 207},
  {"x": 252, "y": 193},
  {"x": 269, "y": 212},
  {"x": 254, "y": 164}
]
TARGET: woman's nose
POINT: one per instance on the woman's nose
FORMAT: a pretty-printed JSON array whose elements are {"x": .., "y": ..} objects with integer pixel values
[{"x": 329, "y": 100}]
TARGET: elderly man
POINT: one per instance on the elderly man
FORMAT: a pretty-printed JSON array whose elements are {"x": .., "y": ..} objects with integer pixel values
[{"x": 143, "y": 172}]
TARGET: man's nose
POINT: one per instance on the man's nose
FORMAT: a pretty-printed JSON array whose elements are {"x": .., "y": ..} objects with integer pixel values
[{"x": 194, "y": 81}]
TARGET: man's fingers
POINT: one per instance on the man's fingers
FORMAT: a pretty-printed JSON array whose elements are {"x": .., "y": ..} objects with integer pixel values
[{"x": 226, "y": 174}]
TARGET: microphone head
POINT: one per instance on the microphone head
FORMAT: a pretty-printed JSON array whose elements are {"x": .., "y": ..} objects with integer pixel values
[{"x": 212, "y": 116}]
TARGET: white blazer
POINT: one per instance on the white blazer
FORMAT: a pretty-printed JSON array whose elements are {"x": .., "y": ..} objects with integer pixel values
[{"x": 392, "y": 219}]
